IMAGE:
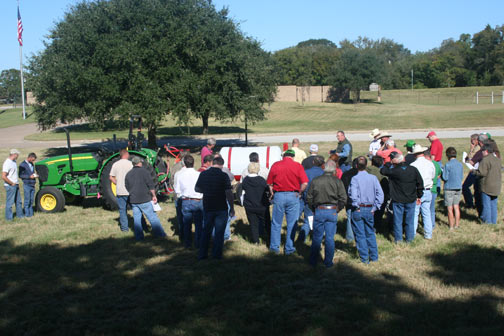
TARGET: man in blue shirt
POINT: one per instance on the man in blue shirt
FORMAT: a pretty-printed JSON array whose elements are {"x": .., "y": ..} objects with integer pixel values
[
  {"x": 311, "y": 173},
  {"x": 344, "y": 151},
  {"x": 453, "y": 173},
  {"x": 28, "y": 176},
  {"x": 367, "y": 197}
]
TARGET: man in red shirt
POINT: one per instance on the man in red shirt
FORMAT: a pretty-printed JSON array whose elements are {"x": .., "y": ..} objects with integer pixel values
[
  {"x": 287, "y": 181},
  {"x": 436, "y": 148}
]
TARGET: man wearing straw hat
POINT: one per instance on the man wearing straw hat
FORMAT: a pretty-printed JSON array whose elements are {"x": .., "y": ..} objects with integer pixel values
[
  {"x": 428, "y": 172},
  {"x": 374, "y": 146}
]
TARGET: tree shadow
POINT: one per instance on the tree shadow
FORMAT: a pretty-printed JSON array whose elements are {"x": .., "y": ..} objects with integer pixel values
[
  {"x": 198, "y": 130},
  {"x": 469, "y": 266},
  {"x": 116, "y": 286}
]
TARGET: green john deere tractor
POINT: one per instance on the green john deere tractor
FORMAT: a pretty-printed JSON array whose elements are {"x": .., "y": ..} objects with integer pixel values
[{"x": 69, "y": 178}]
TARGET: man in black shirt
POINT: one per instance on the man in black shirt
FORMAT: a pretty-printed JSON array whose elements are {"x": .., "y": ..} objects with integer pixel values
[
  {"x": 142, "y": 191},
  {"x": 217, "y": 195},
  {"x": 406, "y": 189}
]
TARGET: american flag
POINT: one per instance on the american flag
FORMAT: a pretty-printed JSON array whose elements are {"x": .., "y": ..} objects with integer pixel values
[{"x": 20, "y": 29}]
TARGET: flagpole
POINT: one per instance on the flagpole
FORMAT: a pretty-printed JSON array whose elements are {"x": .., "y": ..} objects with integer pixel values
[
  {"x": 22, "y": 81},
  {"x": 21, "y": 61}
]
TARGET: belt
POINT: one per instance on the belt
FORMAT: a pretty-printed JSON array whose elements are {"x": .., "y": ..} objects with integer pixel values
[
  {"x": 191, "y": 199},
  {"x": 427, "y": 189},
  {"x": 287, "y": 191},
  {"x": 365, "y": 205},
  {"x": 452, "y": 189},
  {"x": 327, "y": 207}
]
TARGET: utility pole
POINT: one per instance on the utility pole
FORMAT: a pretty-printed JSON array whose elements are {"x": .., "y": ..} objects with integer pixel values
[{"x": 411, "y": 79}]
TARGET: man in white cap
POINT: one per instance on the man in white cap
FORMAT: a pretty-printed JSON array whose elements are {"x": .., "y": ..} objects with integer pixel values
[
  {"x": 374, "y": 146},
  {"x": 11, "y": 184},
  {"x": 308, "y": 162},
  {"x": 428, "y": 172}
]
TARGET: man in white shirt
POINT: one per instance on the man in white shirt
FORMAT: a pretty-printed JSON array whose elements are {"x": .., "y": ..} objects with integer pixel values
[
  {"x": 263, "y": 171},
  {"x": 192, "y": 204},
  {"x": 428, "y": 172},
  {"x": 11, "y": 184},
  {"x": 117, "y": 176},
  {"x": 375, "y": 145}
]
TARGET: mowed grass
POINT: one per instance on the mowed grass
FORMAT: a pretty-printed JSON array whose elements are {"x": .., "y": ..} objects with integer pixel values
[
  {"x": 76, "y": 273},
  {"x": 284, "y": 117},
  {"x": 14, "y": 116}
]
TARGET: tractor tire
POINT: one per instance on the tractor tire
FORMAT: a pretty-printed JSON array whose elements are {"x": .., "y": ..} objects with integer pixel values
[
  {"x": 50, "y": 200},
  {"x": 107, "y": 189}
]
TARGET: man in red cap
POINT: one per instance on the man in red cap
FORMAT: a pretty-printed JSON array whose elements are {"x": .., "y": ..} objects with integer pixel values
[
  {"x": 436, "y": 148},
  {"x": 436, "y": 151}
]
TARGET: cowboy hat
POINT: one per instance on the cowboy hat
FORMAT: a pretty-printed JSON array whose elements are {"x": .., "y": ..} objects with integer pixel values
[
  {"x": 374, "y": 133},
  {"x": 417, "y": 149}
]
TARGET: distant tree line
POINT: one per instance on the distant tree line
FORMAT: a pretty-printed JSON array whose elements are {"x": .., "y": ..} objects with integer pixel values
[{"x": 469, "y": 61}]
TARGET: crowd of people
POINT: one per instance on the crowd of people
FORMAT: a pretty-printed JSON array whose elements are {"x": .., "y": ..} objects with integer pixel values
[{"x": 383, "y": 190}]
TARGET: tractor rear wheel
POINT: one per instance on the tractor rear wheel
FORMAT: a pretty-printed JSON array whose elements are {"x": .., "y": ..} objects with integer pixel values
[
  {"x": 50, "y": 199},
  {"x": 107, "y": 188}
]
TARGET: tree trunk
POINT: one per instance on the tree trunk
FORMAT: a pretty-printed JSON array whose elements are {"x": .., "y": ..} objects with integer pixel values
[
  {"x": 152, "y": 143},
  {"x": 204, "y": 118}
]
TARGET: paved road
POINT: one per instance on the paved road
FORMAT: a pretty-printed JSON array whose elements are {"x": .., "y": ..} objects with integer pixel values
[{"x": 13, "y": 137}]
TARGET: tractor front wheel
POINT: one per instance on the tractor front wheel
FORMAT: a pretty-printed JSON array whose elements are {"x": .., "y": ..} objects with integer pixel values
[{"x": 50, "y": 199}]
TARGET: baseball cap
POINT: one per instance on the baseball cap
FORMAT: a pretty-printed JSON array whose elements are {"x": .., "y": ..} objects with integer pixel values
[
  {"x": 313, "y": 148},
  {"x": 431, "y": 133},
  {"x": 410, "y": 143},
  {"x": 289, "y": 152},
  {"x": 136, "y": 160},
  {"x": 14, "y": 151}
]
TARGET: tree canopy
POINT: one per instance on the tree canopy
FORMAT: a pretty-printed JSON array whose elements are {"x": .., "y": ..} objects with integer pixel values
[
  {"x": 468, "y": 61},
  {"x": 10, "y": 85},
  {"x": 109, "y": 59}
]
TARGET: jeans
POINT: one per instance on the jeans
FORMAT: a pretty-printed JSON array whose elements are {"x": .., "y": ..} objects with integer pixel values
[
  {"x": 424, "y": 208},
  {"x": 466, "y": 190},
  {"x": 324, "y": 221},
  {"x": 301, "y": 207},
  {"x": 146, "y": 209},
  {"x": 227, "y": 230},
  {"x": 305, "y": 229},
  {"x": 180, "y": 219},
  {"x": 489, "y": 213},
  {"x": 349, "y": 235},
  {"x": 29, "y": 194},
  {"x": 408, "y": 211},
  {"x": 433, "y": 210},
  {"x": 218, "y": 220},
  {"x": 365, "y": 237},
  {"x": 13, "y": 196},
  {"x": 192, "y": 210},
  {"x": 284, "y": 203},
  {"x": 122, "y": 203}
]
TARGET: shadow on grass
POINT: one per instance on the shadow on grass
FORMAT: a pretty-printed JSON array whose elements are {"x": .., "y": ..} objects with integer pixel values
[
  {"x": 117, "y": 286},
  {"x": 198, "y": 130}
]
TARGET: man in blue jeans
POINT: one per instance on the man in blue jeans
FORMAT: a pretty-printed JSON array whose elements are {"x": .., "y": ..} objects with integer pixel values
[
  {"x": 11, "y": 184},
  {"x": 314, "y": 171},
  {"x": 141, "y": 188},
  {"x": 215, "y": 186},
  {"x": 117, "y": 177},
  {"x": 28, "y": 176},
  {"x": 490, "y": 173},
  {"x": 192, "y": 205},
  {"x": 326, "y": 196},
  {"x": 406, "y": 191},
  {"x": 287, "y": 180},
  {"x": 366, "y": 196}
]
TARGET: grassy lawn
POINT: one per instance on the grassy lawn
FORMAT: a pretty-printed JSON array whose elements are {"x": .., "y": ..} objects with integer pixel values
[
  {"x": 14, "y": 117},
  {"x": 76, "y": 273},
  {"x": 408, "y": 112}
]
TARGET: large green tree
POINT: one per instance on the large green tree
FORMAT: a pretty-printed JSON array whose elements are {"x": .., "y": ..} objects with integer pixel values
[
  {"x": 110, "y": 59},
  {"x": 10, "y": 85}
]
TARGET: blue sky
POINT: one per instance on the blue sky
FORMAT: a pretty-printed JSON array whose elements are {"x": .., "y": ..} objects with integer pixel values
[{"x": 278, "y": 24}]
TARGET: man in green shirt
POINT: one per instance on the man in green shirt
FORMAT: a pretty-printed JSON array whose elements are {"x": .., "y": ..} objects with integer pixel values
[{"x": 434, "y": 189}]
